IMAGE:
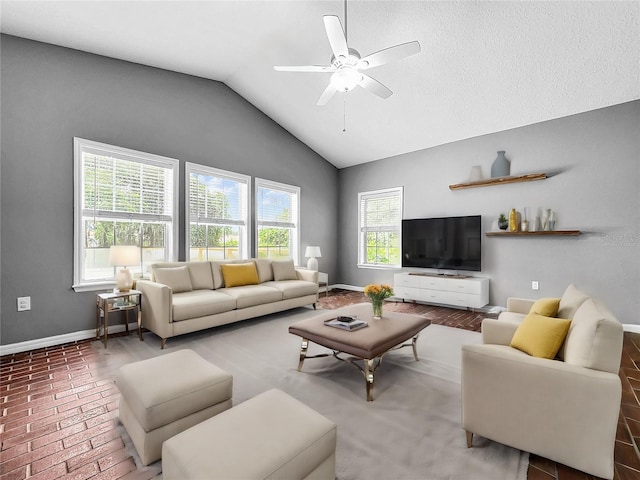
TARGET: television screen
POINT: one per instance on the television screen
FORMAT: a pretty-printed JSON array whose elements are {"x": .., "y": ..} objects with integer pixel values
[{"x": 449, "y": 243}]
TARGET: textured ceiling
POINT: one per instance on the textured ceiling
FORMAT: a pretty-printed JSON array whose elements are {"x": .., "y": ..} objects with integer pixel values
[{"x": 484, "y": 66}]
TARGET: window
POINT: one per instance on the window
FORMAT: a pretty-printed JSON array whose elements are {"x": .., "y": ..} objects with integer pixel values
[
  {"x": 218, "y": 213},
  {"x": 380, "y": 222},
  {"x": 278, "y": 217},
  {"x": 121, "y": 197}
]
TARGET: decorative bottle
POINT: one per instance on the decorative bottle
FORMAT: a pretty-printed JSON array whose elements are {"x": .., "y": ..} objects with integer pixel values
[
  {"x": 513, "y": 220},
  {"x": 501, "y": 166}
]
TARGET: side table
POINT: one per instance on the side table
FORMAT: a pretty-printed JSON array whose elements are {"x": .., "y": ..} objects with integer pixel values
[
  {"x": 117, "y": 302},
  {"x": 323, "y": 280}
]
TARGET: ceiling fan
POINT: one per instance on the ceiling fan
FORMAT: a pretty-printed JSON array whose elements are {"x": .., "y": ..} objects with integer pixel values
[{"x": 347, "y": 65}]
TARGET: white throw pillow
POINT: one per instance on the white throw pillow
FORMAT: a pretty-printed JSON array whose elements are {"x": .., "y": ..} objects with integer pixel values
[
  {"x": 176, "y": 278},
  {"x": 284, "y": 270}
]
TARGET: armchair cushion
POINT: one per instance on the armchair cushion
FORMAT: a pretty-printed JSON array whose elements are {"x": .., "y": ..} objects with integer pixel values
[
  {"x": 547, "y": 307},
  {"x": 540, "y": 336},
  {"x": 571, "y": 300},
  {"x": 594, "y": 339}
]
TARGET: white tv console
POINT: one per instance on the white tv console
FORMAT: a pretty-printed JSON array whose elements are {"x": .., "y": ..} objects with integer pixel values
[{"x": 456, "y": 290}]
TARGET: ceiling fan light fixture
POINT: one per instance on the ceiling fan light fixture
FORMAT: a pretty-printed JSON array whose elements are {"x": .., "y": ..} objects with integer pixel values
[{"x": 345, "y": 79}]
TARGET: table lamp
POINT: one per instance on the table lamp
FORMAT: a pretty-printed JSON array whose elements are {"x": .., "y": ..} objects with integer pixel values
[
  {"x": 121, "y": 256},
  {"x": 312, "y": 253}
]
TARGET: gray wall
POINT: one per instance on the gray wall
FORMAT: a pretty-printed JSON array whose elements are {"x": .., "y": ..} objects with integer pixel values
[
  {"x": 596, "y": 188},
  {"x": 51, "y": 94}
]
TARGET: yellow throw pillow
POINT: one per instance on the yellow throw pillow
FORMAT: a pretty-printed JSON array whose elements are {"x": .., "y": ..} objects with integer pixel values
[
  {"x": 238, "y": 274},
  {"x": 547, "y": 307},
  {"x": 540, "y": 336}
]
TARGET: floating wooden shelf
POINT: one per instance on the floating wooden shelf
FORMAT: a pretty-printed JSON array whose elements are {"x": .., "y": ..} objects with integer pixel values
[
  {"x": 499, "y": 181},
  {"x": 534, "y": 234}
]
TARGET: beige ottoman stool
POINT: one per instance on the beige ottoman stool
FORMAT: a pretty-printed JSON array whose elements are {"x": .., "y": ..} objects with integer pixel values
[
  {"x": 165, "y": 395},
  {"x": 269, "y": 436}
]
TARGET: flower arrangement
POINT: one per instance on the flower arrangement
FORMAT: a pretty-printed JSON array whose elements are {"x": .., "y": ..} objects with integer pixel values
[{"x": 377, "y": 294}]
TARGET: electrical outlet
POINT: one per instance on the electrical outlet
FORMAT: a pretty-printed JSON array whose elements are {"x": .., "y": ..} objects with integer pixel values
[
  {"x": 535, "y": 285},
  {"x": 24, "y": 304}
]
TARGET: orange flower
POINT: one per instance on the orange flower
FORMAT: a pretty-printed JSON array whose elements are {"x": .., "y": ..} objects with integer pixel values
[{"x": 378, "y": 292}]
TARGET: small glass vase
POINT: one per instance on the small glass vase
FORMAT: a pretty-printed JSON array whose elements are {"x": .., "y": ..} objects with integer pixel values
[{"x": 377, "y": 308}]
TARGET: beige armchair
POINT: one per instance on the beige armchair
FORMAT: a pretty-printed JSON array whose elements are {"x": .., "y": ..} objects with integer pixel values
[{"x": 565, "y": 409}]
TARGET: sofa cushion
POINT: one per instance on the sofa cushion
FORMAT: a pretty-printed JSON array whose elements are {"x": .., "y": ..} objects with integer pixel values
[
  {"x": 238, "y": 274},
  {"x": 201, "y": 276},
  {"x": 540, "y": 336},
  {"x": 594, "y": 339},
  {"x": 218, "y": 280},
  {"x": 265, "y": 272},
  {"x": 176, "y": 278},
  {"x": 283, "y": 270},
  {"x": 571, "y": 299},
  {"x": 294, "y": 288},
  {"x": 251, "y": 295},
  {"x": 547, "y": 307},
  {"x": 200, "y": 303}
]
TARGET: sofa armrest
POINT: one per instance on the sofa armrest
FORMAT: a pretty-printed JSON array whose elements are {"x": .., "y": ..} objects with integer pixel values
[
  {"x": 519, "y": 305},
  {"x": 157, "y": 311},
  {"x": 308, "y": 275},
  {"x": 498, "y": 332},
  {"x": 546, "y": 407}
]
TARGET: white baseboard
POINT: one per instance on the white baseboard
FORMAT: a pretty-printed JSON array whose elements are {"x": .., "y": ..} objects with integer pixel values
[
  {"x": 344, "y": 286},
  {"x": 60, "y": 339},
  {"x": 631, "y": 327}
]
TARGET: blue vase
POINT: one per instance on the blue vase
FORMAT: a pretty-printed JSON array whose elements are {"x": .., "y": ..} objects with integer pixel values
[{"x": 501, "y": 167}]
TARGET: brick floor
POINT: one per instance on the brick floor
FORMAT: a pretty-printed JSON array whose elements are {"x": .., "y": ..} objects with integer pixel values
[{"x": 58, "y": 409}]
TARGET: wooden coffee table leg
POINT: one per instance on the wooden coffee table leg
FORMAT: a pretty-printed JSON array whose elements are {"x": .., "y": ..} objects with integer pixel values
[
  {"x": 368, "y": 376},
  {"x": 303, "y": 352}
]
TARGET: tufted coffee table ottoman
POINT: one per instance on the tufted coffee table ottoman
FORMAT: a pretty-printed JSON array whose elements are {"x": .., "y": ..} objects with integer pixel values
[
  {"x": 165, "y": 395},
  {"x": 368, "y": 344}
]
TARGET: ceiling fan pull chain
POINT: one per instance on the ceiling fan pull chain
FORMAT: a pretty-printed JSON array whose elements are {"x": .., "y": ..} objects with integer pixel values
[{"x": 344, "y": 114}]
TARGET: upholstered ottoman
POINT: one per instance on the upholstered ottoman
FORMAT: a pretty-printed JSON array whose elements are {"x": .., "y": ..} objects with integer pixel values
[
  {"x": 165, "y": 395},
  {"x": 267, "y": 437}
]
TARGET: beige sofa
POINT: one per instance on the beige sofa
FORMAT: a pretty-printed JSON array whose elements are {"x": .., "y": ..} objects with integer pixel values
[
  {"x": 184, "y": 297},
  {"x": 565, "y": 409}
]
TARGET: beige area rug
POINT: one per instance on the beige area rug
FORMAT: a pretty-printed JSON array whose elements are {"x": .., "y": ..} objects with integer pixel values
[{"x": 410, "y": 431}]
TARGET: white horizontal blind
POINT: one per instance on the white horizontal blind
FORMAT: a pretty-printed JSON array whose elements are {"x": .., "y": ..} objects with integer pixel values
[
  {"x": 122, "y": 197},
  {"x": 218, "y": 213},
  {"x": 115, "y": 187},
  {"x": 380, "y": 223},
  {"x": 277, "y": 219}
]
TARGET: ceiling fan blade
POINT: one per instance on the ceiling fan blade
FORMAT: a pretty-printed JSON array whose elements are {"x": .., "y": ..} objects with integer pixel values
[
  {"x": 336, "y": 37},
  {"x": 327, "y": 94},
  {"x": 374, "y": 86},
  {"x": 306, "y": 68},
  {"x": 390, "y": 54}
]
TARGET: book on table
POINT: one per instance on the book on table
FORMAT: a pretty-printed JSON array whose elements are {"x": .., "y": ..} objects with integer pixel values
[{"x": 345, "y": 322}]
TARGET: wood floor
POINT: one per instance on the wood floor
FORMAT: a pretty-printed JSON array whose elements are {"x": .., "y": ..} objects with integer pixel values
[{"x": 59, "y": 409}]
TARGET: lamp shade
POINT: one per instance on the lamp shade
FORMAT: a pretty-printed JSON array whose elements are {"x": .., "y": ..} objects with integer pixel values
[
  {"x": 123, "y": 255},
  {"x": 312, "y": 252}
]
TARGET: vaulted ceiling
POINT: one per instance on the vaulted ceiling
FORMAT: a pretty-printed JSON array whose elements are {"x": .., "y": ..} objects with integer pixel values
[{"x": 484, "y": 66}]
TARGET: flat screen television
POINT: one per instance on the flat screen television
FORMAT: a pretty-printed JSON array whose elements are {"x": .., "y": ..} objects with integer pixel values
[{"x": 448, "y": 243}]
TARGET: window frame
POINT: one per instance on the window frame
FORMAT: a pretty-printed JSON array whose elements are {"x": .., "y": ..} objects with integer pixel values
[
  {"x": 291, "y": 189},
  {"x": 245, "y": 243},
  {"x": 80, "y": 146},
  {"x": 362, "y": 231}
]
